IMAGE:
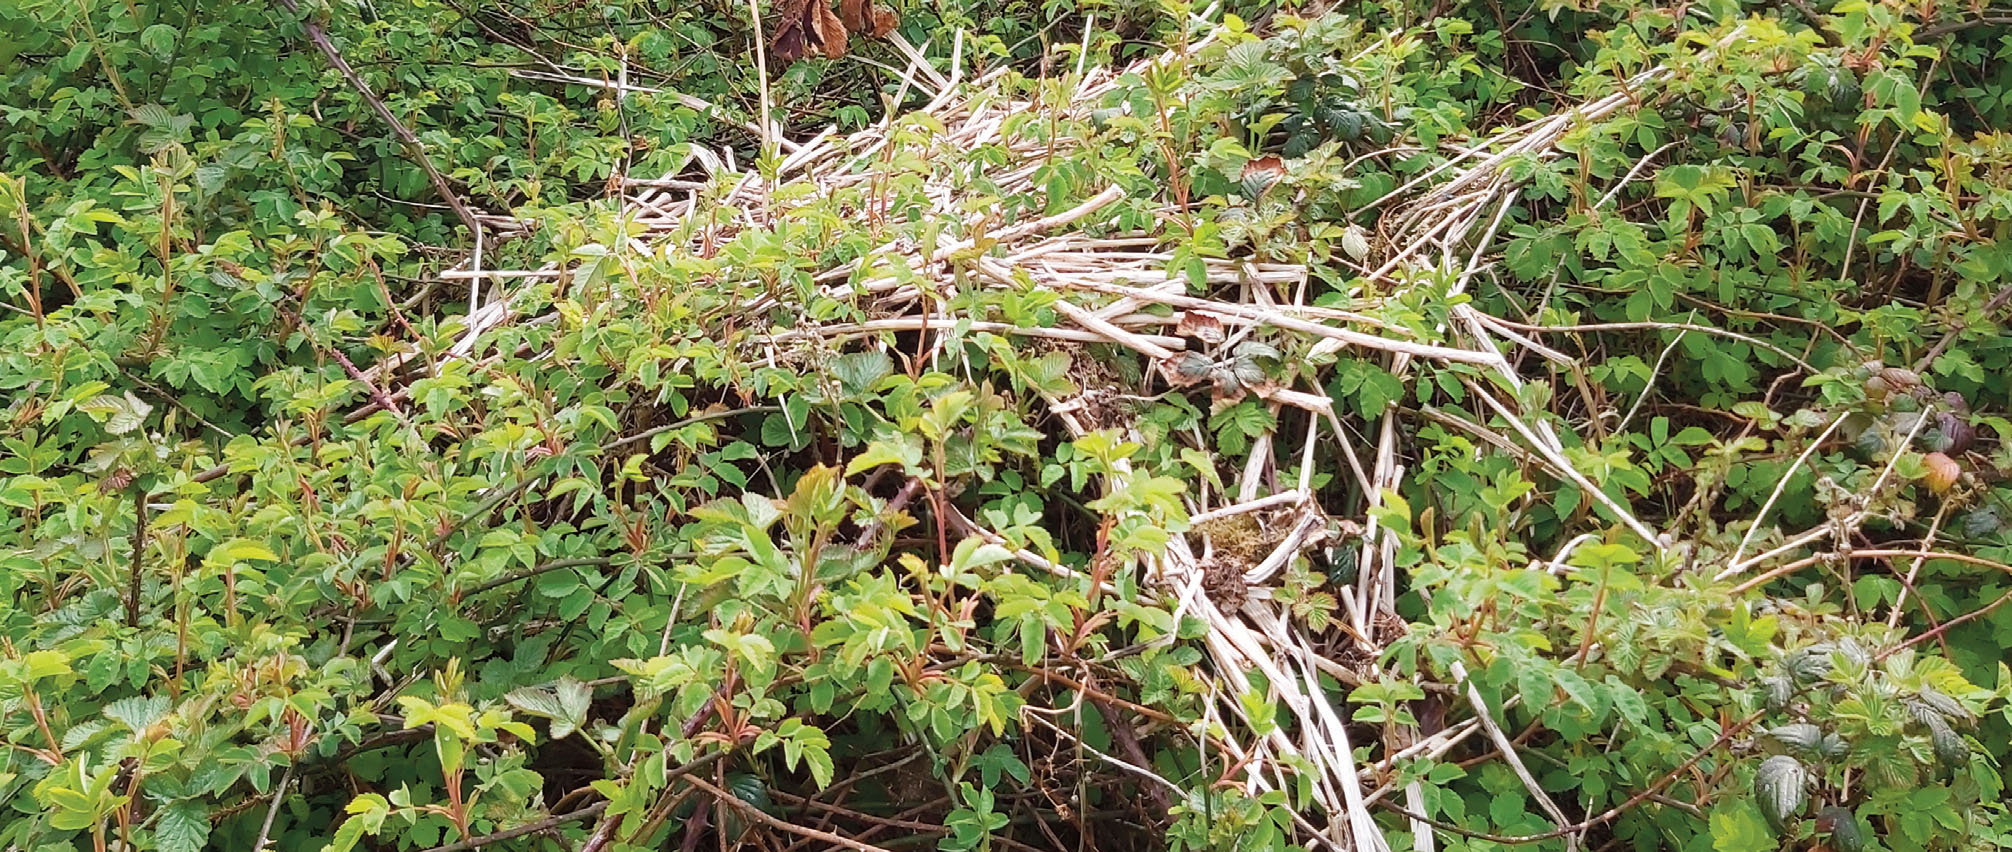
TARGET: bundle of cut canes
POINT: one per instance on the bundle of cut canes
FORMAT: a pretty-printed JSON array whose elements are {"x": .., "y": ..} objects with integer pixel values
[{"x": 1124, "y": 290}]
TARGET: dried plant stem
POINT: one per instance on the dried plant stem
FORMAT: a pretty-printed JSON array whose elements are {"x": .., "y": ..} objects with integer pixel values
[
  {"x": 1508, "y": 750},
  {"x": 1117, "y": 289},
  {"x": 1782, "y": 485}
]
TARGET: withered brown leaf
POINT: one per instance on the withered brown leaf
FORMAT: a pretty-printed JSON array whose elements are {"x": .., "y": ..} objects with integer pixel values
[
  {"x": 1204, "y": 327},
  {"x": 786, "y": 43},
  {"x": 865, "y": 16},
  {"x": 830, "y": 32},
  {"x": 1269, "y": 165},
  {"x": 804, "y": 27},
  {"x": 809, "y": 27}
]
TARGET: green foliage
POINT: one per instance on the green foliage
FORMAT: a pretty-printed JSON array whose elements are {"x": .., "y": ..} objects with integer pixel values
[{"x": 273, "y": 580}]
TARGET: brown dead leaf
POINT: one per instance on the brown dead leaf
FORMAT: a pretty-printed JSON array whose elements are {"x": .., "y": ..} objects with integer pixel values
[
  {"x": 804, "y": 27},
  {"x": 1182, "y": 369},
  {"x": 1261, "y": 174},
  {"x": 1201, "y": 326},
  {"x": 786, "y": 43},
  {"x": 866, "y": 17},
  {"x": 830, "y": 31},
  {"x": 1269, "y": 166}
]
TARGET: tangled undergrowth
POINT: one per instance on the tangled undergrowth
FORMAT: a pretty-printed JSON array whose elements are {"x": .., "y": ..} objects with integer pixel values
[{"x": 1576, "y": 428}]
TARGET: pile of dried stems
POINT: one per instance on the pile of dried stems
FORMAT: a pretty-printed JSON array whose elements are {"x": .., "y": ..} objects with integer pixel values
[{"x": 1438, "y": 227}]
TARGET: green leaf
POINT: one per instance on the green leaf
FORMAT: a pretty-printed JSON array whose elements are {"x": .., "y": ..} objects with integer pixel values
[
  {"x": 240, "y": 550},
  {"x": 904, "y": 451},
  {"x": 565, "y": 706},
  {"x": 120, "y": 414},
  {"x": 159, "y": 39},
  {"x": 976, "y": 553},
  {"x": 366, "y": 816},
  {"x": 1736, "y": 828},
  {"x": 1842, "y": 824},
  {"x": 1801, "y": 737},
  {"x": 183, "y": 827},
  {"x": 138, "y": 713},
  {"x": 1781, "y": 789},
  {"x": 1951, "y": 749},
  {"x": 857, "y": 371},
  {"x": 1627, "y": 701}
]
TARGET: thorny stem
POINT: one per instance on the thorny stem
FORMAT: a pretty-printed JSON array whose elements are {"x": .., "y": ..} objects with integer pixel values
[
  {"x": 166, "y": 254},
  {"x": 42, "y": 724},
  {"x": 28, "y": 251},
  {"x": 604, "y": 831},
  {"x": 139, "y": 546},
  {"x": 1807, "y": 561},
  {"x": 1945, "y": 627},
  {"x": 1593, "y": 618}
]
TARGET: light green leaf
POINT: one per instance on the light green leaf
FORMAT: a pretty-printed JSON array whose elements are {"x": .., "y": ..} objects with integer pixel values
[
  {"x": 183, "y": 827},
  {"x": 240, "y": 550}
]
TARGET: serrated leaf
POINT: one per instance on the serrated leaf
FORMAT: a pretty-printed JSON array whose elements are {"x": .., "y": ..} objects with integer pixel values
[
  {"x": 1801, "y": 736},
  {"x": 81, "y": 733},
  {"x": 1922, "y": 713},
  {"x": 1247, "y": 370},
  {"x": 818, "y": 761},
  {"x": 1254, "y": 184},
  {"x": 1260, "y": 352},
  {"x": 131, "y": 415},
  {"x": 1627, "y": 701},
  {"x": 1781, "y": 788},
  {"x": 857, "y": 371},
  {"x": 120, "y": 414},
  {"x": 183, "y": 827},
  {"x": 565, "y": 706},
  {"x": 1194, "y": 366},
  {"x": 1346, "y": 124},
  {"x": 1777, "y": 691},
  {"x": 1580, "y": 690},
  {"x": 1735, "y": 828},
  {"x": 152, "y": 115},
  {"x": 1807, "y": 666},
  {"x": 1982, "y": 522},
  {"x": 1945, "y": 705},
  {"x": 137, "y": 713}
]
